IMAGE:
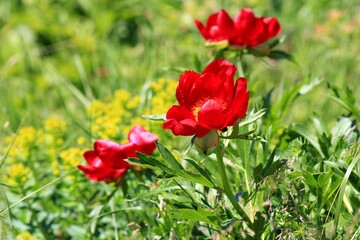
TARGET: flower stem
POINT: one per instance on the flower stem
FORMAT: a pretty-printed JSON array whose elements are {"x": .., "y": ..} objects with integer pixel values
[
  {"x": 226, "y": 186},
  {"x": 239, "y": 64}
]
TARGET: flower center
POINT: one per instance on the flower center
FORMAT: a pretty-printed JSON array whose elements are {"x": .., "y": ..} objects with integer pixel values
[
  {"x": 197, "y": 107},
  {"x": 195, "y": 112}
]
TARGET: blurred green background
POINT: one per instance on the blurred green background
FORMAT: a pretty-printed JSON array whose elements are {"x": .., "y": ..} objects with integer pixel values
[{"x": 58, "y": 55}]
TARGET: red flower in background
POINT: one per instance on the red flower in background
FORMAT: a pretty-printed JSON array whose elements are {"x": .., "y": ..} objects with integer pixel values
[
  {"x": 208, "y": 101},
  {"x": 245, "y": 30},
  {"x": 107, "y": 160}
]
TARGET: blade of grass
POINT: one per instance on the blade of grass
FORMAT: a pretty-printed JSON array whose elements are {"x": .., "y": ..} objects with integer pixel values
[
  {"x": 12, "y": 143},
  {"x": 34, "y": 192},
  {"x": 342, "y": 191}
]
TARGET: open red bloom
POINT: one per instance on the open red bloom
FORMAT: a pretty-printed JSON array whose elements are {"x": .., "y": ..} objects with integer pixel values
[
  {"x": 209, "y": 100},
  {"x": 107, "y": 160},
  {"x": 245, "y": 30},
  {"x": 142, "y": 141}
]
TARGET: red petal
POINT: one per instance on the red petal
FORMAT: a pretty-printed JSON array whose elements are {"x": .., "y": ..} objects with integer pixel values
[
  {"x": 225, "y": 25},
  {"x": 224, "y": 72},
  {"x": 244, "y": 20},
  {"x": 180, "y": 121},
  {"x": 238, "y": 107},
  {"x": 273, "y": 27},
  {"x": 111, "y": 154},
  {"x": 212, "y": 20},
  {"x": 144, "y": 140},
  {"x": 102, "y": 173},
  {"x": 219, "y": 26},
  {"x": 139, "y": 136},
  {"x": 186, "y": 83},
  {"x": 211, "y": 115},
  {"x": 92, "y": 159},
  {"x": 202, "y": 29},
  {"x": 257, "y": 29}
]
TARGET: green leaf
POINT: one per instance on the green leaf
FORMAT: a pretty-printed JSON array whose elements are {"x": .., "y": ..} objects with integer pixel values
[
  {"x": 310, "y": 86},
  {"x": 200, "y": 215},
  {"x": 259, "y": 225},
  {"x": 269, "y": 162},
  {"x": 197, "y": 178},
  {"x": 253, "y": 117},
  {"x": 348, "y": 101},
  {"x": 257, "y": 172},
  {"x": 340, "y": 171},
  {"x": 310, "y": 180},
  {"x": 213, "y": 167},
  {"x": 277, "y": 54},
  {"x": 169, "y": 158},
  {"x": 155, "y": 117},
  {"x": 197, "y": 63},
  {"x": 344, "y": 181},
  {"x": 150, "y": 162},
  {"x": 273, "y": 168},
  {"x": 309, "y": 135},
  {"x": 156, "y": 192},
  {"x": 202, "y": 171}
]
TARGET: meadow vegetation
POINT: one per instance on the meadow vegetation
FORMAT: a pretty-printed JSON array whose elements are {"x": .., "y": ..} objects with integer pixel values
[{"x": 76, "y": 71}]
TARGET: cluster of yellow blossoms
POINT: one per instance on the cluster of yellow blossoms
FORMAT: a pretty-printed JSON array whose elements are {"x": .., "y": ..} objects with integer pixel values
[
  {"x": 114, "y": 118},
  {"x": 29, "y": 145},
  {"x": 111, "y": 119}
]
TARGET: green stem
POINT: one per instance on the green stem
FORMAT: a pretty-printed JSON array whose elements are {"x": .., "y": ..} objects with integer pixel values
[
  {"x": 106, "y": 202},
  {"x": 112, "y": 206},
  {"x": 226, "y": 186},
  {"x": 239, "y": 64}
]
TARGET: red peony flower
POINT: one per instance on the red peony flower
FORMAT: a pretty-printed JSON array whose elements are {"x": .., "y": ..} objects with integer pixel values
[
  {"x": 142, "y": 141},
  {"x": 246, "y": 29},
  {"x": 107, "y": 160},
  {"x": 208, "y": 101}
]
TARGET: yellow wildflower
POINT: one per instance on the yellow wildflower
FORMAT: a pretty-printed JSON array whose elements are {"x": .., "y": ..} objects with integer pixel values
[
  {"x": 163, "y": 96},
  {"x": 55, "y": 126},
  {"x": 16, "y": 174},
  {"x": 55, "y": 167},
  {"x": 121, "y": 96},
  {"x": 135, "y": 101},
  {"x": 80, "y": 141},
  {"x": 71, "y": 157}
]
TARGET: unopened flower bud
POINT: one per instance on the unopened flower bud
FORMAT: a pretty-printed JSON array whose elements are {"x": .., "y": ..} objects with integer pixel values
[{"x": 208, "y": 143}]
